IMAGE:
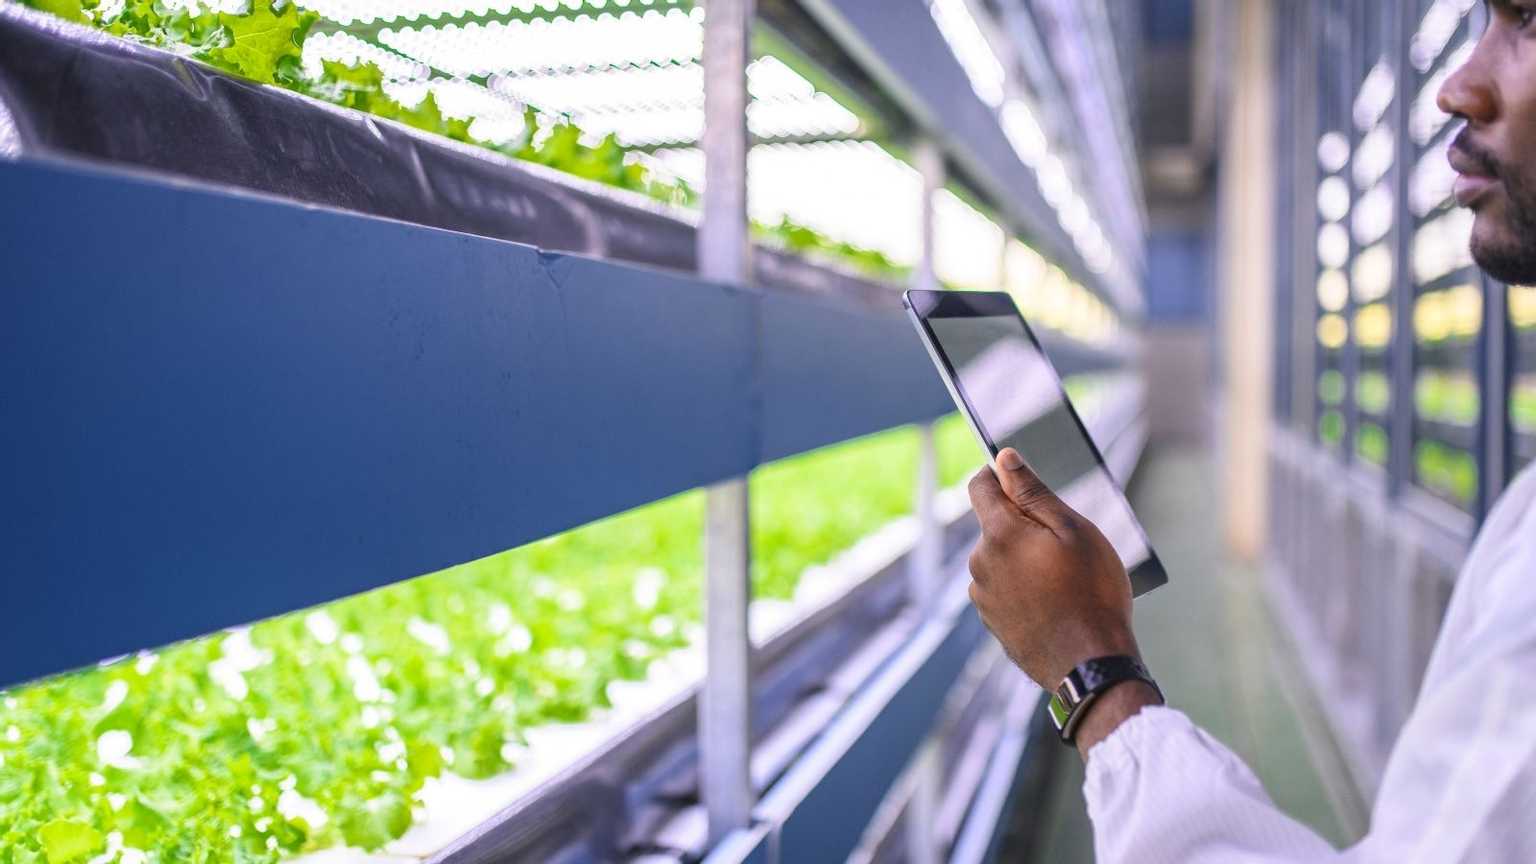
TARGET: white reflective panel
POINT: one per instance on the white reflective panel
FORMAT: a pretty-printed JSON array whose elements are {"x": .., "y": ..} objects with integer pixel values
[
  {"x": 1333, "y": 152},
  {"x": 970, "y": 46}
]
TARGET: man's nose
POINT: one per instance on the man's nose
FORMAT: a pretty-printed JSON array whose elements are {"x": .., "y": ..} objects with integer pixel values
[{"x": 1469, "y": 94}]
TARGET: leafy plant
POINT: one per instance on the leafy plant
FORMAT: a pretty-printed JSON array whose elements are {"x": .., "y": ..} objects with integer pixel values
[
  {"x": 266, "y": 43},
  {"x": 320, "y": 727},
  {"x": 1446, "y": 470},
  {"x": 802, "y": 239}
]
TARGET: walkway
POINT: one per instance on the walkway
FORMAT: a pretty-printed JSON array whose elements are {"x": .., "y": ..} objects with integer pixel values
[{"x": 1206, "y": 638}]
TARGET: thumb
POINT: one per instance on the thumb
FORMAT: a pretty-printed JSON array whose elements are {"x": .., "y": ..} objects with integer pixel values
[{"x": 1021, "y": 485}]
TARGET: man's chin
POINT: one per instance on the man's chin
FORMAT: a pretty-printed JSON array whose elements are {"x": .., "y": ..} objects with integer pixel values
[{"x": 1505, "y": 259}]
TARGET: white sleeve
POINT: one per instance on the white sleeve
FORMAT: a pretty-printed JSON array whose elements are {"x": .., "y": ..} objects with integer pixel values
[
  {"x": 1161, "y": 790},
  {"x": 1459, "y": 788}
]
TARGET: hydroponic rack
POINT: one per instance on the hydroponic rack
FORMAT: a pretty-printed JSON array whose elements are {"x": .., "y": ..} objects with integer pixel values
[{"x": 394, "y": 341}]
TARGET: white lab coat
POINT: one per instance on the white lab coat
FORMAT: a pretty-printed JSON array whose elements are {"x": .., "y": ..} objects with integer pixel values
[{"x": 1460, "y": 785}]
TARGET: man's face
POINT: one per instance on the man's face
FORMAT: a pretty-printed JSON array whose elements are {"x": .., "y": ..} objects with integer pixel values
[{"x": 1495, "y": 155}]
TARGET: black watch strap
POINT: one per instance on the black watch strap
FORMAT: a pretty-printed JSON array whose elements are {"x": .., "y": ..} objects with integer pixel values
[{"x": 1086, "y": 683}]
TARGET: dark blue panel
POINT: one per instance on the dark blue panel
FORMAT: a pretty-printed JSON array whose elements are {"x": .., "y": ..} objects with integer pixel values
[
  {"x": 832, "y": 371},
  {"x": 1169, "y": 22},
  {"x": 908, "y": 54},
  {"x": 217, "y": 407},
  {"x": 1178, "y": 277},
  {"x": 828, "y": 822}
]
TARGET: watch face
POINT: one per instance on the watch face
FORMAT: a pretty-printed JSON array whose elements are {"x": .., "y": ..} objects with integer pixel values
[{"x": 1060, "y": 712}]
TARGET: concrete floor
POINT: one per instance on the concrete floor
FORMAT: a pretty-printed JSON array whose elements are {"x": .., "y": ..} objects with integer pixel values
[{"x": 1206, "y": 638}]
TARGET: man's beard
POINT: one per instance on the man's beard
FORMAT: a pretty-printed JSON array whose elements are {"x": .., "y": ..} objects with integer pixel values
[{"x": 1510, "y": 256}]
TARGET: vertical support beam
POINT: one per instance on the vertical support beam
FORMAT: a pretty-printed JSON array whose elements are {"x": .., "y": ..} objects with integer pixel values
[
  {"x": 928, "y": 552},
  {"x": 1350, "y": 76},
  {"x": 1494, "y": 432},
  {"x": 929, "y": 161},
  {"x": 927, "y": 561},
  {"x": 1247, "y": 187},
  {"x": 1304, "y": 149},
  {"x": 1400, "y": 462},
  {"x": 725, "y": 700},
  {"x": 922, "y": 810}
]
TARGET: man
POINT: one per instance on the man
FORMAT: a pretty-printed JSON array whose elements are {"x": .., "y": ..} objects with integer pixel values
[{"x": 1460, "y": 785}]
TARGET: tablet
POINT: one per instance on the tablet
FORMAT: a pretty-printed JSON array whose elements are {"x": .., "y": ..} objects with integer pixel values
[{"x": 1012, "y": 397}]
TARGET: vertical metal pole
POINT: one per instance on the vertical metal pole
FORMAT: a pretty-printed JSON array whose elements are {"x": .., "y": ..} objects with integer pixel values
[
  {"x": 1493, "y": 420},
  {"x": 725, "y": 700},
  {"x": 1400, "y": 464},
  {"x": 927, "y": 561},
  {"x": 928, "y": 551},
  {"x": 929, "y": 161},
  {"x": 922, "y": 809},
  {"x": 924, "y": 567},
  {"x": 1304, "y": 313}
]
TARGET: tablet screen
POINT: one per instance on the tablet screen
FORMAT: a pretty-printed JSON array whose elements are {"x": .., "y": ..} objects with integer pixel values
[{"x": 1016, "y": 399}]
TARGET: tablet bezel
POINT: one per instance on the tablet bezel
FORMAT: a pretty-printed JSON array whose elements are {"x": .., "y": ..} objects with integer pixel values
[{"x": 922, "y": 305}]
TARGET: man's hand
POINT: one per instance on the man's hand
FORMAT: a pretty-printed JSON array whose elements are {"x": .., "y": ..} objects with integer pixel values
[{"x": 1047, "y": 583}]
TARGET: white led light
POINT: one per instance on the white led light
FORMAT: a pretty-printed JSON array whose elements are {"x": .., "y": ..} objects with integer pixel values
[
  {"x": 1373, "y": 274},
  {"x": 1024, "y": 133},
  {"x": 1373, "y": 158},
  {"x": 583, "y": 42},
  {"x": 1333, "y": 152},
  {"x": 1333, "y": 199},
  {"x": 1425, "y": 119},
  {"x": 1332, "y": 290},
  {"x": 1441, "y": 246},
  {"x": 968, "y": 247},
  {"x": 1372, "y": 218},
  {"x": 1435, "y": 30},
  {"x": 1432, "y": 181},
  {"x": 1333, "y": 246},
  {"x": 1376, "y": 94},
  {"x": 970, "y": 46}
]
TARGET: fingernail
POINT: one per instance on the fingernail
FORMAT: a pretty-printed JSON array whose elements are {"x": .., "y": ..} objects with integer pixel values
[{"x": 1010, "y": 459}]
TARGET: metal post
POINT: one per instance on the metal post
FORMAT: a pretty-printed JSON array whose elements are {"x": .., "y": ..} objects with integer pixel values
[
  {"x": 725, "y": 699},
  {"x": 1493, "y": 426},
  {"x": 1304, "y": 413},
  {"x": 926, "y": 563},
  {"x": 929, "y": 161},
  {"x": 928, "y": 551},
  {"x": 1400, "y": 464},
  {"x": 922, "y": 809}
]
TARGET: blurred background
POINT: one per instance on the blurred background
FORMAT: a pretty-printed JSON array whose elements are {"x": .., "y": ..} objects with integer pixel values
[{"x": 742, "y": 633}]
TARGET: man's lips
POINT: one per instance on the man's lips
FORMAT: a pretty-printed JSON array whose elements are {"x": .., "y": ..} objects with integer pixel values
[{"x": 1473, "y": 180}]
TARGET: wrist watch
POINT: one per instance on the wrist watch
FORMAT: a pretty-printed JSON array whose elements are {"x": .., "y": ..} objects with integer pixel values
[{"x": 1085, "y": 684}]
